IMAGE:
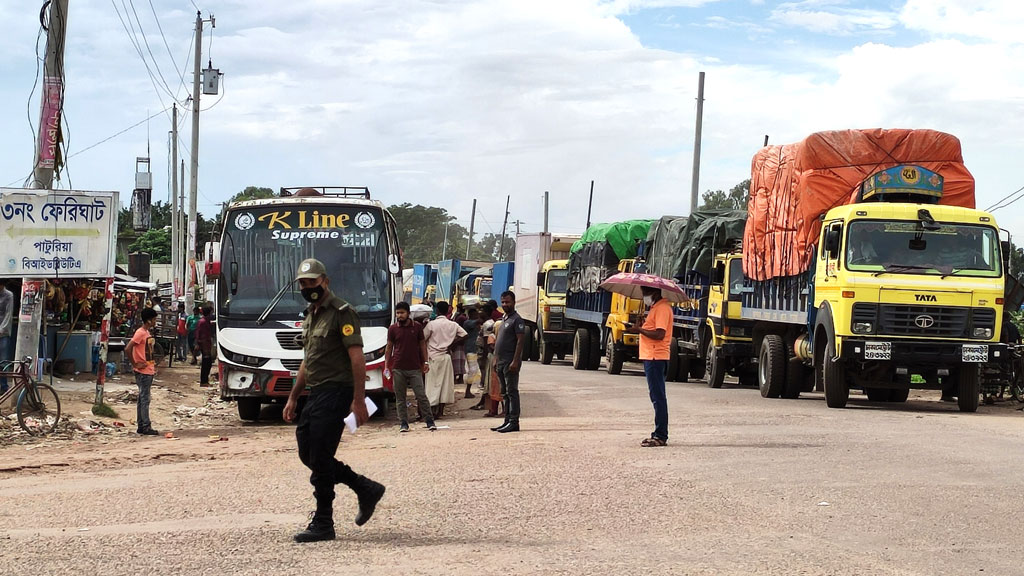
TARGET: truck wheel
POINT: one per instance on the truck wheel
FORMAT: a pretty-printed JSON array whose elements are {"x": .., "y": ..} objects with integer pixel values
[
  {"x": 581, "y": 349},
  {"x": 968, "y": 388},
  {"x": 878, "y": 394},
  {"x": 796, "y": 378},
  {"x": 899, "y": 395},
  {"x": 534, "y": 345},
  {"x": 547, "y": 351},
  {"x": 683, "y": 370},
  {"x": 614, "y": 355},
  {"x": 715, "y": 366},
  {"x": 672, "y": 373},
  {"x": 249, "y": 408},
  {"x": 595, "y": 349},
  {"x": 771, "y": 366},
  {"x": 833, "y": 377}
]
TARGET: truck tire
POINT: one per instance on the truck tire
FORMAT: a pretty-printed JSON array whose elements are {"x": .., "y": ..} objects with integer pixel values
[
  {"x": 614, "y": 355},
  {"x": 968, "y": 388},
  {"x": 715, "y": 365},
  {"x": 771, "y": 366},
  {"x": 899, "y": 394},
  {"x": 249, "y": 408},
  {"x": 683, "y": 369},
  {"x": 676, "y": 371},
  {"x": 698, "y": 364},
  {"x": 581, "y": 349},
  {"x": 547, "y": 351},
  {"x": 796, "y": 378},
  {"x": 534, "y": 345},
  {"x": 594, "y": 357},
  {"x": 833, "y": 377}
]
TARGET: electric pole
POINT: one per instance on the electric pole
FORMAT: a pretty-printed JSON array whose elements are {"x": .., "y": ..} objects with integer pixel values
[
  {"x": 175, "y": 211},
  {"x": 472, "y": 222},
  {"x": 517, "y": 223},
  {"x": 590, "y": 204},
  {"x": 190, "y": 247},
  {"x": 545, "y": 211},
  {"x": 504, "y": 226},
  {"x": 32, "y": 289},
  {"x": 696, "y": 144}
]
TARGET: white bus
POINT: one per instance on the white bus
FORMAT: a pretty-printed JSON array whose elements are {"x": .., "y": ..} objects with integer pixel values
[{"x": 258, "y": 305}]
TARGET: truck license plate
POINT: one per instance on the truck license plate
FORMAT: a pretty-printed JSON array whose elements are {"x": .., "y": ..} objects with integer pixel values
[
  {"x": 878, "y": 350},
  {"x": 975, "y": 353}
]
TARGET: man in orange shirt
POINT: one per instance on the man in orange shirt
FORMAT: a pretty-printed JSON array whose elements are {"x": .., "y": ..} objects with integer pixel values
[
  {"x": 655, "y": 336},
  {"x": 140, "y": 350}
]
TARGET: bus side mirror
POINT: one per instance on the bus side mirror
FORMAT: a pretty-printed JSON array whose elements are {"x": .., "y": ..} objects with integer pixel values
[
  {"x": 832, "y": 238},
  {"x": 718, "y": 273},
  {"x": 394, "y": 265},
  {"x": 234, "y": 278},
  {"x": 540, "y": 278},
  {"x": 1007, "y": 250}
]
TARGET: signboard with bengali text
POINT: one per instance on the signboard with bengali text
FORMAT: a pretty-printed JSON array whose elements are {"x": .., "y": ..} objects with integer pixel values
[{"x": 57, "y": 233}]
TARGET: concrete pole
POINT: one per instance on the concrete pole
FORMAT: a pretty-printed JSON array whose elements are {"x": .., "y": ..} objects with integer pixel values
[
  {"x": 181, "y": 229},
  {"x": 175, "y": 211},
  {"x": 472, "y": 223},
  {"x": 504, "y": 225},
  {"x": 590, "y": 203},
  {"x": 190, "y": 257},
  {"x": 694, "y": 193},
  {"x": 546, "y": 199},
  {"x": 33, "y": 291}
]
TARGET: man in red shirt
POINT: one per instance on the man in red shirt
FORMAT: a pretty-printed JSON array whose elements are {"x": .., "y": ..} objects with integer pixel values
[
  {"x": 140, "y": 350},
  {"x": 204, "y": 340},
  {"x": 406, "y": 357},
  {"x": 655, "y": 336}
]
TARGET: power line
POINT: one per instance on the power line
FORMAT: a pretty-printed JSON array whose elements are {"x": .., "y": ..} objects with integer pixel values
[
  {"x": 1002, "y": 203},
  {"x": 112, "y": 136},
  {"x": 181, "y": 76}
]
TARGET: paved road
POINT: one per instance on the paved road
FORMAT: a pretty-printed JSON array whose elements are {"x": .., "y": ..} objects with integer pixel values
[{"x": 746, "y": 486}]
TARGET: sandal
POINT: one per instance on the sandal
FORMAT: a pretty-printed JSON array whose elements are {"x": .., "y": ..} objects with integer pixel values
[{"x": 652, "y": 442}]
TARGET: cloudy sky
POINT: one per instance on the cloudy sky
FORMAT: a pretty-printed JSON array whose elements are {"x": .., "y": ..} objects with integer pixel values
[{"x": 439, "y": 102}]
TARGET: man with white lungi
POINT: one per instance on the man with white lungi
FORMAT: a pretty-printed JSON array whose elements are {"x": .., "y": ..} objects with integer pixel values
[{"x": 441, "y": 334}]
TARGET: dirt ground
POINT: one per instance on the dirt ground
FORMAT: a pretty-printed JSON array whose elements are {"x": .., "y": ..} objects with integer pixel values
[{"x": 746, "y": 486}]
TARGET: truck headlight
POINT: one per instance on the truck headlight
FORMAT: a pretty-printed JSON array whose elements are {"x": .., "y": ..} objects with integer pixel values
[
  {"x": 983, "y": 333},
  {"x": 863, "y": 328}
]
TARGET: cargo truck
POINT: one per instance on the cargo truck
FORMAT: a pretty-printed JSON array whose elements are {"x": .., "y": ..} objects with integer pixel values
[
  {"x": 868, "y": 267},
  {"x": 541, "y": 277},
  {"x": 601, "y": 317}
]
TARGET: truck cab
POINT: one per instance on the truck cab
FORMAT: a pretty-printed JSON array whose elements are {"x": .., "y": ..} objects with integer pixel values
[
  {"x": 620, "y": 347},
  {"x": 728, "y": 346},
  {"x": 556, "y": 331}
]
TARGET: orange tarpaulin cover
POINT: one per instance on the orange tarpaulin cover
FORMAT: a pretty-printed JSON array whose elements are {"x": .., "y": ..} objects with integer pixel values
[{"x": 792, "y": 185}]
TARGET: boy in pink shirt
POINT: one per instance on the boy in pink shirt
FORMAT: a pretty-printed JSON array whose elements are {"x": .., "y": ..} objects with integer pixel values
[{"x": 140, "y": 350}]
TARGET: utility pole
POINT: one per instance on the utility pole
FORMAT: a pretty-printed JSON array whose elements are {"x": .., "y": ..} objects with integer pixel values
[
  {"x": 190, "y": 247},
  {"x": 180, "y": 240},
  {"x": 517, "y": 223},
  {"x": 472, "y": 222},
  {"x": 504, "y": 226},
  {"x": 696, "y": 144},
  {"x": 444, "y": 245},
  {"x": 765, "y": 140},
  {"x": 590, "y": 204},
  {"x": 32, "y": 289},
  {"x": 175, "y": 212},
  {"x": 546, "y": 198}
]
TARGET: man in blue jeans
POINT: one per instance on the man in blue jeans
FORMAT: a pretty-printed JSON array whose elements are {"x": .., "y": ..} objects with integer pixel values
[
  {"x": 655, "y": 337},
  {"x": 140, "y": 350},
  {"x": 508, "y": 358},
  {"x": 6, "y": 312}
]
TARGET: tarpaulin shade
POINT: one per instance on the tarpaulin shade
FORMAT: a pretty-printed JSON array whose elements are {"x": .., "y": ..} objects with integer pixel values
[
  {"x": 676, "y": 245},
  {"x": 793, "y": 185},
  {"x": 595, "y": 256}
]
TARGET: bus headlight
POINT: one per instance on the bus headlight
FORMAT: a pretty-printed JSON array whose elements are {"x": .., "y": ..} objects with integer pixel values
[{"x": 373, "y": 356}]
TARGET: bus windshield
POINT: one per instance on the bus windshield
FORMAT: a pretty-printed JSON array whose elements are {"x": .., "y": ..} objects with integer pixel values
[
  {"x": 907, "y": 247},
  {"x": 265, "y": 245}
]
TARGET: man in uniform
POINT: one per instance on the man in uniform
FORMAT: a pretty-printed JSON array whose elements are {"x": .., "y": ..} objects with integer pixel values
[{"x": 334, "y": 369}]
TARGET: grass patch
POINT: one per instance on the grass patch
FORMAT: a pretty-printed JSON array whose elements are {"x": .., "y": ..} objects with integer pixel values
[{"x": 104, "y": 410}]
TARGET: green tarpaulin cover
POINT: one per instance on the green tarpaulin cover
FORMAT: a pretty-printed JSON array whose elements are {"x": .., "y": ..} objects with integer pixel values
[
  {"x": 596, "y": 255},
  {"x": 622, "y": 236},
  {"x": 676, "y": 245}
]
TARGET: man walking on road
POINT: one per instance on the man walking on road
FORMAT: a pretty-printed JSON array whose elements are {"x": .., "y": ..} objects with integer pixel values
[
  {"x": 140, "y": 350},
  {"x": 508, "y": 354},
  {"x": 406, "y": 357},
  {"x": 334, "y": 369},
  {"x": 6, "y": 312},
  {"x": 441, "y": 334},
  {"x": 204, "y": 340},
  {"x": 654, "y": 351}
]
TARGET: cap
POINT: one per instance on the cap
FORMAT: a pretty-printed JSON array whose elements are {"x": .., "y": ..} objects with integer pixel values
[{"x": 311, "y": 268}]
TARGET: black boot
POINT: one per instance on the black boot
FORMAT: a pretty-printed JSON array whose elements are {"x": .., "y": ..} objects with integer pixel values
[
  {"x": 369, "y": 493},
  {"x": 320, "y": 528},
  {"x": 504, "y": 407}
]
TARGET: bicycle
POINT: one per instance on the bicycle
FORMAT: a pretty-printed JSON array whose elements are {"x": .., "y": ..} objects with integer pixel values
[
  {"x": 38, "y": 406},
  {"x": 1017, "y": 372}
]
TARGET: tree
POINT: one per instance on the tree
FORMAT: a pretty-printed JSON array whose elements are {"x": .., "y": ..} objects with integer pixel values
[
  {"x": 253, "y": 193},
  {"x": 157, "y": 243},
  {"x": 735, "y": 199}
]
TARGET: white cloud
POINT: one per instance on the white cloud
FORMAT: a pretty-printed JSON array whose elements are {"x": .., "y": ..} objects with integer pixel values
[
  {"x": 829, "y": 17},
  {"x": 991, "y": 20}
]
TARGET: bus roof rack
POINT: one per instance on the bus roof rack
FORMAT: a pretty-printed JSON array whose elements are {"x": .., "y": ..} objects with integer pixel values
[{"x": 338, "y": 191}]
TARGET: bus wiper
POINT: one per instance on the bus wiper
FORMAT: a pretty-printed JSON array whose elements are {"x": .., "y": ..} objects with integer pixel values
[
  {"x": 900, "y": 268},
  {"x": 273, "y": 304}
]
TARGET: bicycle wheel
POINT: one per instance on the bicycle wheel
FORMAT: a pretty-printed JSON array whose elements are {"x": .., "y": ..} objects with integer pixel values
[
  {"x": 1017, "y": 380},
  {"x": 158, "y": 353},
  {"x": 38, "y": 409}
]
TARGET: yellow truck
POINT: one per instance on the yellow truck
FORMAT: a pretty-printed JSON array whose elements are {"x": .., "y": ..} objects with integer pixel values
[
  {"x": 728, "y": 341},
  {"x": 540, "y": 279}
]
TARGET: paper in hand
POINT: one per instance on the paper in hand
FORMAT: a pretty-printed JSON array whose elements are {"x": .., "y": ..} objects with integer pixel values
[{"x": 350, "y": 420}]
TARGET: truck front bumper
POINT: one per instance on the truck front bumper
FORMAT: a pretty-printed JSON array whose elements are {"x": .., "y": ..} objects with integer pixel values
[{"x": 922, "y": 353}]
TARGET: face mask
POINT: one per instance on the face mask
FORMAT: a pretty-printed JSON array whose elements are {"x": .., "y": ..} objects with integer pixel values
[
  {"x": 314, "y": 294},
  {"x": 649, "y": 300}
]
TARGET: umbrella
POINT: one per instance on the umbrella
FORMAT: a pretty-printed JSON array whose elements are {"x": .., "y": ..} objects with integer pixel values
[{"x": 630, "y": 283}]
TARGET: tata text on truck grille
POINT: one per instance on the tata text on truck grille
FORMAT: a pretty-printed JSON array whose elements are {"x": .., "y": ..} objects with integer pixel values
[{"x": 259, "y": 307}]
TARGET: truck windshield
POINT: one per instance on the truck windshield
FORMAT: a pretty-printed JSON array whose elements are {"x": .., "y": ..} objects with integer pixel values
[
  {"x": 268, "y": 243},
  {"x": 906, "y": 248},
  {"x": 557, "y": 282}
]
